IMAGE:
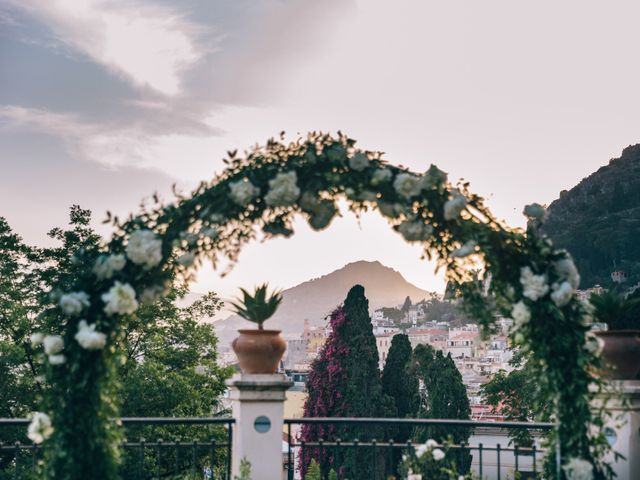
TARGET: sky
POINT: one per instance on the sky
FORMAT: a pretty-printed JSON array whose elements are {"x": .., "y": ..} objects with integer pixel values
[{"x": 103, "y": 103}]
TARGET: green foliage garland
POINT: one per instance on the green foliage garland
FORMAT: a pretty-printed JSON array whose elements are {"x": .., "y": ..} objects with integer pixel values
[{"x": 522, "y": 276}]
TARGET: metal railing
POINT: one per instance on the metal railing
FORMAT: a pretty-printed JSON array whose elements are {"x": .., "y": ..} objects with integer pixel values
[
  {"x": 180, "y": 448},
  {"x": 489, "y": 454}
]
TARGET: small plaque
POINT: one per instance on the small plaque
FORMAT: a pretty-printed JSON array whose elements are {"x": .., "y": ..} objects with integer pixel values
[{"x": 262, "y": 424}]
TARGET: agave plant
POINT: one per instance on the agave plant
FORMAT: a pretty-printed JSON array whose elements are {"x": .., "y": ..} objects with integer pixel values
[
  {"x": 616, "y": 310},
  {"x": 259, "y": 307}
]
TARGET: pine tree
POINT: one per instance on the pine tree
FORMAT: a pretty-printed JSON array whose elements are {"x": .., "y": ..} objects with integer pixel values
[
  {"x": 401, "y": 384},
  {"x": 345, "y": 382}
]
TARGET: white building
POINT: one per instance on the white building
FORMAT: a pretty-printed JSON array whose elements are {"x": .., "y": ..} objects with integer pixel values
[
  {"x": 427, "y": 336},
  {"x": 586, "y": 294},
  {"x": 415, "y": 314},
  {"x": 383, "y": 343},
  {"x": 462, "y": 343},
  {"x": 618, "y": 276},
  {"x": 384, "y": 329}
]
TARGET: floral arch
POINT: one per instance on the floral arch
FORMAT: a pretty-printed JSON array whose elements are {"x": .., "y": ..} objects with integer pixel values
[{"x": 522, "y": 277}]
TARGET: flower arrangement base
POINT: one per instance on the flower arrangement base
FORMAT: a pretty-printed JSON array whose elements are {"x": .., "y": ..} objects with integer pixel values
[
  {"x": 259, "y": 351},
  {"x": 621, "y": 352}
]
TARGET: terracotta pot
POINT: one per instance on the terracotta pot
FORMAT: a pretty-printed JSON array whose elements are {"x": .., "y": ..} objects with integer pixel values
[
  {"x": 259, "y": 351},
  {"x": 621, "y": 351}
]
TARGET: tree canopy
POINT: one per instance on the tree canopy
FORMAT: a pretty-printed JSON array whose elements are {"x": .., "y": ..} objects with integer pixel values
[
  {"x": 345, "y": 382},
  {"x": 168, "y": 367},
  {"x": 400, "y": 383}
]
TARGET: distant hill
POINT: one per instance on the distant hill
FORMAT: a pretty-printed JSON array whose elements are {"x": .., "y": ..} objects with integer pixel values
[
  {"x": 598, "y": 220},
  {"x": 316, "y": 298}
]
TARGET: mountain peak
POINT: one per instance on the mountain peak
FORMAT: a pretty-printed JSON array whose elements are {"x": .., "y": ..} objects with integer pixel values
[{"x": 316, "y": 298}]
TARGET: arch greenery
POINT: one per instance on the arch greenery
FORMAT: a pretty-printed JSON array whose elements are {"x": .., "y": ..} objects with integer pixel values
[{"x": 499, "y": 271}]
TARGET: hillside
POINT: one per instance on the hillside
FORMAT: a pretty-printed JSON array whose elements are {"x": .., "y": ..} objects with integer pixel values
[
  {"x": 598, "y": 220},
  {"x": 316, "y": 298}
]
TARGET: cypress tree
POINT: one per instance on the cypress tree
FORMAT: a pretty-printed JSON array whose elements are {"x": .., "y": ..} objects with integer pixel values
[
  {"x": 400, "y": 383},
  {"x": 345, "y": 382},
  {"x": 397, "y": 381},
  {"x": 444, "y": 397},
  {"x": 406, "y": 305}
]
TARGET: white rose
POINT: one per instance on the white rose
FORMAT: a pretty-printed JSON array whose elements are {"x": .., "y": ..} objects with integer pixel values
[
  {"x": 407, "y": 185},
  {"x": 421, "y": 450},
  {"x": 359, "y": 162},
  {"x": 283, "y": 190},
  {"x": 40, "y": 428},
  {"x": 561, "y": 293},
  {"x": 107, "y": 265},
  {"x": 36, "y": 339},
  {"x": 88, "y": 338},
  {"x": 520, "y": 314},
  {"x": 578, "y": 469},
  {"x": 415, "y": 231},
  {"x": 120, "y": 299},
  {"x": 588, "y": 311},
  {"x": 74, "y": 302},
  {"x": 535, "y": 211},
  {"x": 187, "y": 259},
  {"x": 144, "y": 248},
  {"x": 57, "y": 359},
  {"x": 381, "y": 175},
  {"x": 431, "y": 443},
  {"x": 437, "y": 454},
  {"x": 453, "y": 207},
  {"x": 465, "y": 250},
  {"x": 53, "y": 344},
  {"x": 243, "y": 191},
  {"x": 534, "y": 286},
  {"x": 567, "y": 270}
]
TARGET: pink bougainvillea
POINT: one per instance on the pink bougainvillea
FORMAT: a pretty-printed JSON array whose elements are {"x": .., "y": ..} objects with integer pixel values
[{"x": 327, "y": 386}]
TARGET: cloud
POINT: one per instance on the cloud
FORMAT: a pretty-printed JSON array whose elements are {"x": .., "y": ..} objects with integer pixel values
[
  {"x": 117, "y": 146},
  {"x": 221, "y": 62},
  {"x": 41, "y": 180},
  {"x": 149, "y": 44}
]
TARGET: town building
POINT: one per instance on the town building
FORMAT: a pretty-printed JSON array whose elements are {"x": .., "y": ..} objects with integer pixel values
[
  {"x": 383, "y": 343},
  {"x": 618, "y": 276},
  {"x": 428, "y": 336},
  {"x": 462, "y": 343}
]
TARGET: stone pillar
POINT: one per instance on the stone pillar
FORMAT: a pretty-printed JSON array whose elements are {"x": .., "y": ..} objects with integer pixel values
[
  {"x": 258, "y": 407},
  {"x": 624, "y": 428}
]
